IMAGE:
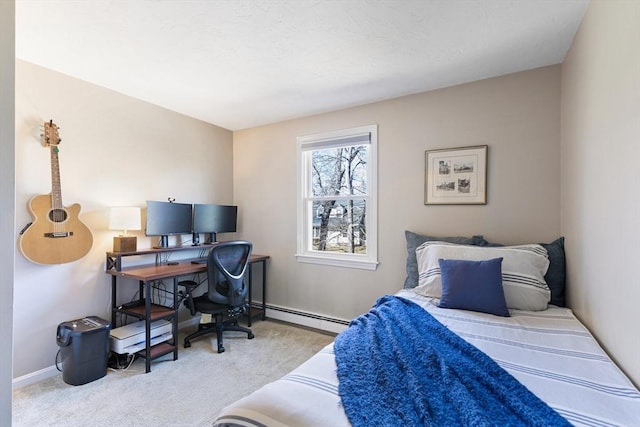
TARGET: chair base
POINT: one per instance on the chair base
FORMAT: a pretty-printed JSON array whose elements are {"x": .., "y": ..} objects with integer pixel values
[{"x": 219, "y": 326}]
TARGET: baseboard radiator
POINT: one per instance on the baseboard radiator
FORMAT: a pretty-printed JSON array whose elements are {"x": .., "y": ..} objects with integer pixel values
[{"x": 303, "y": 318}]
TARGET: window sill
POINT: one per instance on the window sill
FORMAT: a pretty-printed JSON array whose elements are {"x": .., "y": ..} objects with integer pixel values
[{"x": 338, "y": 262}]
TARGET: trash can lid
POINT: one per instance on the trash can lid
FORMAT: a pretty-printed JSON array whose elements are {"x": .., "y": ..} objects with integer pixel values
[{"x": 86, "y": 324}]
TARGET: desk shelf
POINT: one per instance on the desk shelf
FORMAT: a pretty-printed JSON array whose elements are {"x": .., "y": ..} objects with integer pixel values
[
  {"x": 139, "y": 311},
  {"x": 114, "y": 259},
  {"x": 158, "y": 350}
]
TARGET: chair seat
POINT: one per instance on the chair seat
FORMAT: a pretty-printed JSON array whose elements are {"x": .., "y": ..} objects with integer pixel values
[{"x": 203, "y": 304}]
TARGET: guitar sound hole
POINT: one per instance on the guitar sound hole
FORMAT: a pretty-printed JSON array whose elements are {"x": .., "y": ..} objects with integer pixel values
[{"x": 57, "y": 215}]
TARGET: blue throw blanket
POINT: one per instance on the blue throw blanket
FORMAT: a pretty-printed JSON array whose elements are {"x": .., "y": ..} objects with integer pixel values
[{"x": 399, "y": 366}]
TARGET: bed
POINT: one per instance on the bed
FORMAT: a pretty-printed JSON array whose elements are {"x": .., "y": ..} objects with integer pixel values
[{"x": 545, "y": 348}]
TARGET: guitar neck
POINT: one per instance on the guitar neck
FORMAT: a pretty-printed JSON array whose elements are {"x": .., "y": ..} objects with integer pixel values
[{"x": 56, "y": 187}]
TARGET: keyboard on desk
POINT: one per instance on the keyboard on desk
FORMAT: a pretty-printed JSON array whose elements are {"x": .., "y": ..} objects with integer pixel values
[{"x": 199, "y": 261}]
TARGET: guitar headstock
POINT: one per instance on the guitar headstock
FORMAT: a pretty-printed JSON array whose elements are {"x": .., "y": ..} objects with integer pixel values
[{"x": 50, "y": 135}]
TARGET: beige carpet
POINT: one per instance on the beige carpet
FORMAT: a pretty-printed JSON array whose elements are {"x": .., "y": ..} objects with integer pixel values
[{"x": 186, "y": 392}]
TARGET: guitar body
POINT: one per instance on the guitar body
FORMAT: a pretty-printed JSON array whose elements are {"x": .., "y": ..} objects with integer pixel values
[{"x": 56, "y": 236}]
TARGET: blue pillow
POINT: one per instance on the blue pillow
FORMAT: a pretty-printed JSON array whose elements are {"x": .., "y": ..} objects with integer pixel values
[{"x": 473, "y": 285}]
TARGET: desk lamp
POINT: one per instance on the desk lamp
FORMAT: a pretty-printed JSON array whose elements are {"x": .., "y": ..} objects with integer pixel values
[{"x": 125, "y": 218}]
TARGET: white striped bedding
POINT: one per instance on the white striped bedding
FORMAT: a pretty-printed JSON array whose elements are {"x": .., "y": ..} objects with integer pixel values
[{"x": 549, "y": 351}]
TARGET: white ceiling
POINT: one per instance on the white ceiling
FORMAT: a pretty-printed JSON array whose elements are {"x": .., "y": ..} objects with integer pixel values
[{"x": 244, "y": 63}]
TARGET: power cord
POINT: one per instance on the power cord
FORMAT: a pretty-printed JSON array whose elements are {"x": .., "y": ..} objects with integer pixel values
[
  {"x": 58, "y": 357},
  {"x": 120, "y": 362}
]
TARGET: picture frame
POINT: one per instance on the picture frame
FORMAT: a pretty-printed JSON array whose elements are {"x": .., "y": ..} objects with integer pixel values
[{"x": 456, "y": 176}]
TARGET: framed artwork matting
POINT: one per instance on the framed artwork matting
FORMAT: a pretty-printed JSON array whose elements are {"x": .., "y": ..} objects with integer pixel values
[{"x": 456, "y": 176}]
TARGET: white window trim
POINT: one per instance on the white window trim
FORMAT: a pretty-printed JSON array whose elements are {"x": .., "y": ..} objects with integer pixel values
[{"x": 323, "y": 140}]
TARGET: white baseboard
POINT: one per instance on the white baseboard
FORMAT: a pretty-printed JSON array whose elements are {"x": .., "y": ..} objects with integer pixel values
[
  {"x": 311, "y": 320},
  {"x": 34, "y": 377}
]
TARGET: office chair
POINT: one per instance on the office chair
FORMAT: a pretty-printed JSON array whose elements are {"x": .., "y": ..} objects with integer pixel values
[{"x": 225, "y": 299}]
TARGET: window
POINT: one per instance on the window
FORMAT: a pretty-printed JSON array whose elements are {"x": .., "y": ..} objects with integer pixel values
[{"x": 337, "y": 206}]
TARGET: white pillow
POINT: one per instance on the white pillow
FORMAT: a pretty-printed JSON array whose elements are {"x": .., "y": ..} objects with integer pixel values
[{"x": 523, "y": 270}]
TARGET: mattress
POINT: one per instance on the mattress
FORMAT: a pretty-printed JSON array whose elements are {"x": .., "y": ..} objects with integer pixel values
[{"x": 550, "y": 352}]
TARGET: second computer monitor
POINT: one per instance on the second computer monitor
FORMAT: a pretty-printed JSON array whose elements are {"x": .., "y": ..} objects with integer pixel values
[{"x": 213, "y": 219}]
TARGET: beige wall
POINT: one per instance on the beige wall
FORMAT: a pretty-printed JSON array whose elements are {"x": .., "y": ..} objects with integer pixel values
[
  {"x": 600, "y": 175},
  {"x": 517, "y": 115},
  {"x": 7, "y": 202},
  {"x": 115, "y": 151}
]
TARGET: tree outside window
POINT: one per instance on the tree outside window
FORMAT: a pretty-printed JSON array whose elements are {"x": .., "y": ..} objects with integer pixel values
[{"x": 339, "y": 182}]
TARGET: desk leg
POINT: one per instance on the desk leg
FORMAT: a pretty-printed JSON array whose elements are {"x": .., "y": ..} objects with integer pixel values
[
  {"x": 147, "y": 319},
  {"x": 250, "y": 296},
  {"x": 113, "y": 302},
  {"x": 264, "y": 289},
  {"x": 174, "y": 319}
]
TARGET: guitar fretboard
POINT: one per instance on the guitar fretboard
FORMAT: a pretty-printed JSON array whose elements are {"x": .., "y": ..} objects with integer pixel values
[{"x": 56, "y": 188}]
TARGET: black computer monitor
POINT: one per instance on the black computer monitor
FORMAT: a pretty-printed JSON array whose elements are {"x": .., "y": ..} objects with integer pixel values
[
  {"x": 213, "y": 219},
  {"x": 166, "y": 218}
]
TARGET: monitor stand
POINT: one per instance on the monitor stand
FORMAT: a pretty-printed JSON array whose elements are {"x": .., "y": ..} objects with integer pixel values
[
  {"x": 211, "y": 239},
  {"x": 195, "y": 239},
  {"x": 163, "y": 243}
]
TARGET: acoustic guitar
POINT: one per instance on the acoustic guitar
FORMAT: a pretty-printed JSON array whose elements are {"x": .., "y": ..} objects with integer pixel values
[{"x": 55, "y": 235}]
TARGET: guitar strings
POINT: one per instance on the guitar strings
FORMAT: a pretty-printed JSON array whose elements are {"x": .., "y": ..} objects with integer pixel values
[{"x": 58, "y": 214}]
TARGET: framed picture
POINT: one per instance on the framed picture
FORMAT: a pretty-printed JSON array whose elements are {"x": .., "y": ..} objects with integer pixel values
[{"x": 456, "y": 176}]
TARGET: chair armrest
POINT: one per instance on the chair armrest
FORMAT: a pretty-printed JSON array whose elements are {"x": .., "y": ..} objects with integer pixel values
[{"x": 189, "y": 285}]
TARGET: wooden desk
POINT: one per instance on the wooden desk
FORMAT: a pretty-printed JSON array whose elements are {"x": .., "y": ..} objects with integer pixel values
[{"x": 144, "y": 309}]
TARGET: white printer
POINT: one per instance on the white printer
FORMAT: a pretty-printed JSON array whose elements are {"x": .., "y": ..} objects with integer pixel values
[{"x": 130, "y": 338}]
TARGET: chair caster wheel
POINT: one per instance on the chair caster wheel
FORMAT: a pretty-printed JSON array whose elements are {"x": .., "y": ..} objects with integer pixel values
[
  {"x": 250, "y": 336},
  {"x": 220, "y": 349},
  {"x": 187, "y": 344}
]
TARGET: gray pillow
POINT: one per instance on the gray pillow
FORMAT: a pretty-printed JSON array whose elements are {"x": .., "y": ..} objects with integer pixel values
[
  {"x": 414, "y": 240},
  {"x": 556, "y": 273}
]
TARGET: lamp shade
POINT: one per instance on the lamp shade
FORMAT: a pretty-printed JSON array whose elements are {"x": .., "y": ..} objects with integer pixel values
[{"x": 125, "y": 218}]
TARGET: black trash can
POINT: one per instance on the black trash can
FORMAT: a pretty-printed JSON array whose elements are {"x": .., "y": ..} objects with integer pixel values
[{"x": 84, "y": 349}]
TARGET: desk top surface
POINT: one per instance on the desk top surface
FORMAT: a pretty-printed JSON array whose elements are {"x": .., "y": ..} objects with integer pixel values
[{"x": 164, "y": 270}]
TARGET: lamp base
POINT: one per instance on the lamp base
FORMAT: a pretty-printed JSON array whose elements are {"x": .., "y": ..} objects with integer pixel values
[{"x": 125, "y": 244}]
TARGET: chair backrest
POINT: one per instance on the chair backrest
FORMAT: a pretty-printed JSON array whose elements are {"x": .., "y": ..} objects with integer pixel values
[{"x": 227, "y": 265}]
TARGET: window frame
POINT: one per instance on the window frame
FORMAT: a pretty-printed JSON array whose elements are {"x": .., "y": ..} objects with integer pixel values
[{"x": 306, "y": 145}]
